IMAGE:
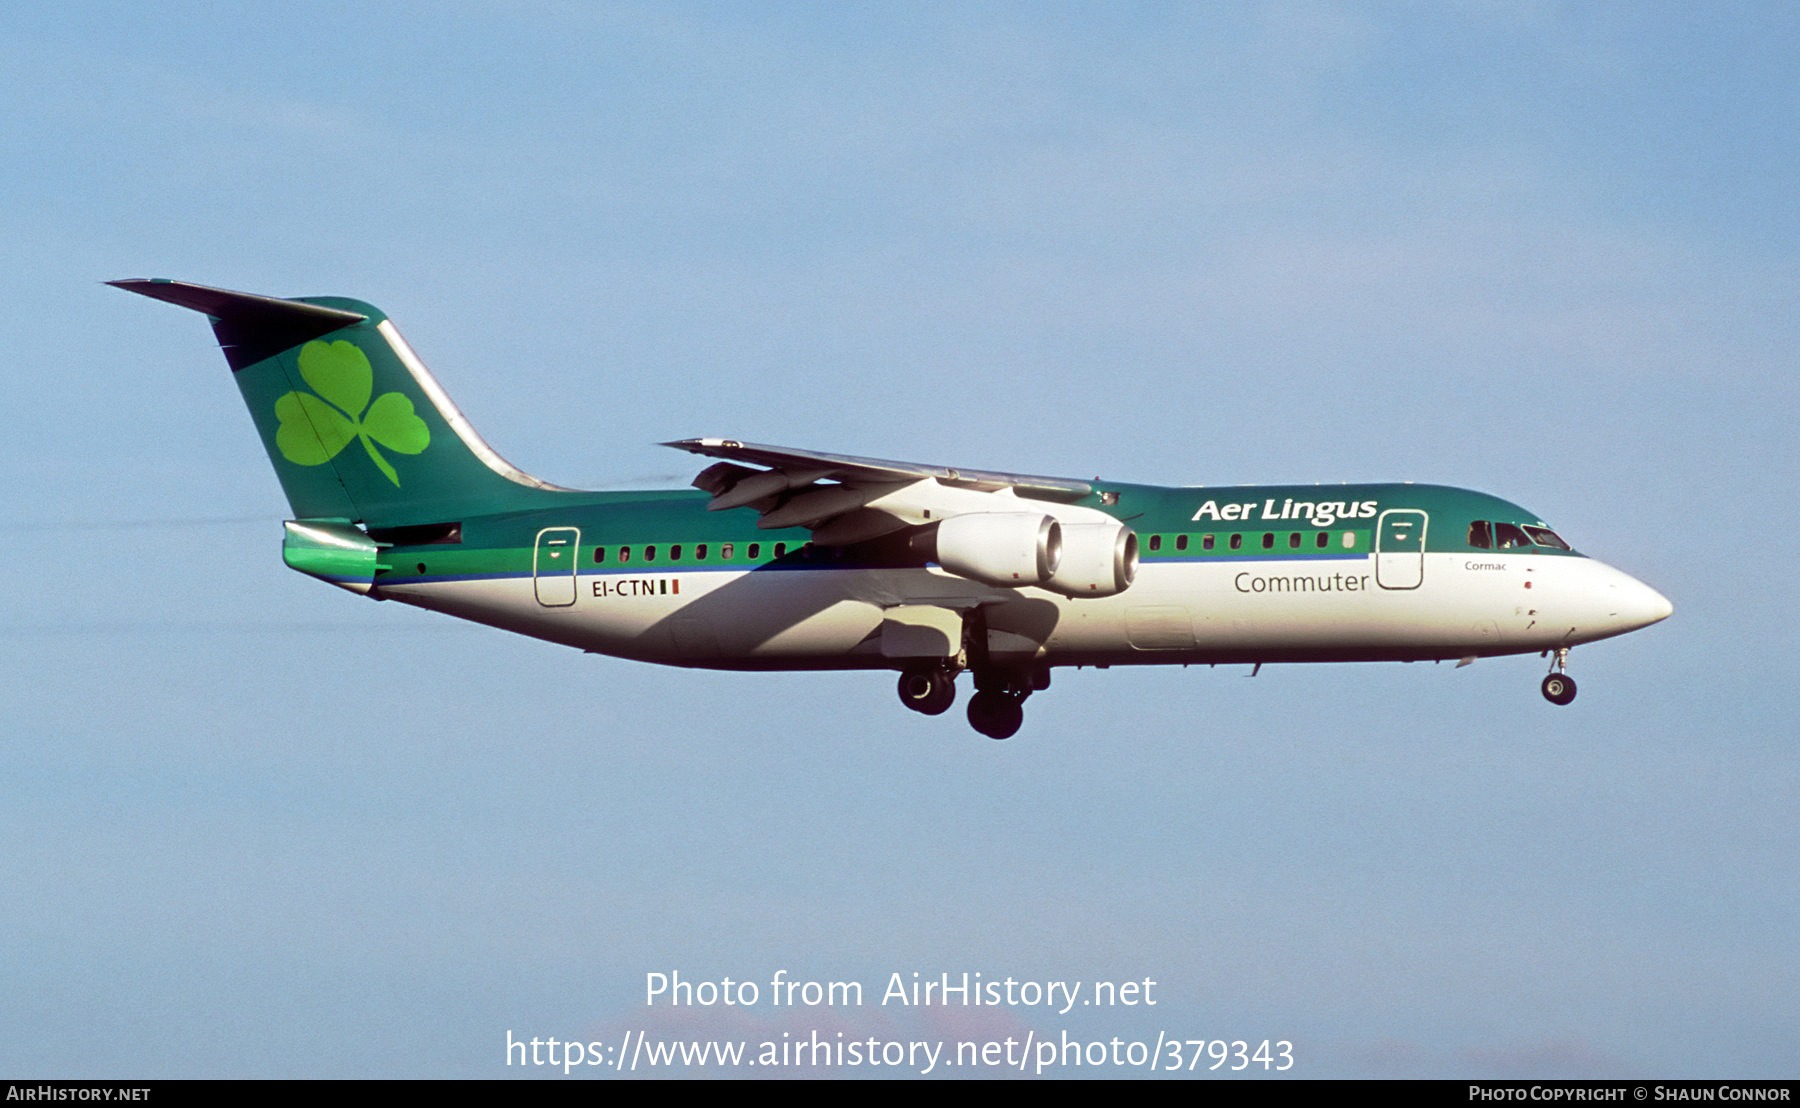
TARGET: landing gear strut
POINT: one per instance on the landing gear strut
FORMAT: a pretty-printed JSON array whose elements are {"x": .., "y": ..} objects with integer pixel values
[
  {"x": 930, "y": 690},
  {"x": 1559, "y": 687},
  {"x": 997, "y": 709}
]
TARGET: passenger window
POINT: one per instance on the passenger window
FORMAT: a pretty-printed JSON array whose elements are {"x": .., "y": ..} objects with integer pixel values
[
  {"x": 700, "y": 552},
  {"x": 675, "y": 553},
  {"x": 1268, "y": 540},
  {"x": 1349, "y": 539},
  {"x": 755, "y": 551},
  {"x": 1155, "y": 542},
  {"x": 649, "y": 553},
  {"x": 725, "y": 551},
  {"x": 1181, "y": 542},
  {"x": 1479, "y": 538},
  {"x": 1543, "y": 536},
  {"x": 1508, "y": 537},
  {"x": 780, "y": 549},
  {"x": 1206, "y": 542},
  {"x": 599, "y": 555},
  {"x": 624, "y": 554},
  {"x": 1294, "y": 541},
  {"x": 1237, "y": 542},
  {"x": 1323, "y": 540}
]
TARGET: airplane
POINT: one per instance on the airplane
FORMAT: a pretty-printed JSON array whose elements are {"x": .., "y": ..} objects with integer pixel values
[{"x": 784, "y": 559}]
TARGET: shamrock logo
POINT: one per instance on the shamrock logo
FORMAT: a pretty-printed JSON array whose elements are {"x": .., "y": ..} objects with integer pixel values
[{"x": 314, "y": 428}]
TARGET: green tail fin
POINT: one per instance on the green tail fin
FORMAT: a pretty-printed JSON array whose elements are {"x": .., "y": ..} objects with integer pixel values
[{"x": 357, "y": 428}]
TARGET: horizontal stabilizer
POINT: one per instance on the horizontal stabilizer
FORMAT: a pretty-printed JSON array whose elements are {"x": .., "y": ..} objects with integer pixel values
[{"x": 250, "y": 328}]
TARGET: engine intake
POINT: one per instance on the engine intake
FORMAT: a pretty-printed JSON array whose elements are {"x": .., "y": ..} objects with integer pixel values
[
  {"x": 1008, "y": 549},
  {"x": 1099, "y": 559}
]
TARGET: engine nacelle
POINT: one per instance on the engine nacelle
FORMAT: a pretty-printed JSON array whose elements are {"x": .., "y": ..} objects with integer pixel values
[
  {"x": 1099, "y": 559},
  {"x": 1009, "y": 549}
]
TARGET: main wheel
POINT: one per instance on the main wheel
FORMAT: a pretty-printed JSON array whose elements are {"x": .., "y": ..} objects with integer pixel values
[
  {"x": 995, "y": 714},
  {"x": 1559, "y": 688},
  {"x": 930, "y": 691}
]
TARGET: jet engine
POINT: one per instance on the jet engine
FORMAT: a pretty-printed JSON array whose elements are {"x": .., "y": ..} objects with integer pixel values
[
  {"x": 1008, "y": 549},
  {"x": 1099, "y": 559}
]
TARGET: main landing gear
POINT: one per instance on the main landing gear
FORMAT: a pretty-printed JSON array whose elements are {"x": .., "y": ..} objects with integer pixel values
[
  {"x": 997, "y": 713},
  {"x": 1559, "y": 687},
  {"x": 997, "y": 709},
  {"x": 930, "y": 691}
]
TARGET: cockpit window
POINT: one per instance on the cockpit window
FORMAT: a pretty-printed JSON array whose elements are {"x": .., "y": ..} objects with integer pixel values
[
  {"x": 1543, "y": 536},
  {"x": 1479, "y": 536},
  {"x": 1508, "y": 537}
]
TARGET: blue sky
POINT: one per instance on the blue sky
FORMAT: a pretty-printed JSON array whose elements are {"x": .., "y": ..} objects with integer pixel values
[{"x": 256, "y": 827}]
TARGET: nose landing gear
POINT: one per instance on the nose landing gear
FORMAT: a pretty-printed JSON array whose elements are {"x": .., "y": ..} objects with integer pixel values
[{"x": 1559, "y": 687}]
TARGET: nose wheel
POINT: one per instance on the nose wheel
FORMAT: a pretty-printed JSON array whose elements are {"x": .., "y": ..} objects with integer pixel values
[{"x": 1559, "y": 687}]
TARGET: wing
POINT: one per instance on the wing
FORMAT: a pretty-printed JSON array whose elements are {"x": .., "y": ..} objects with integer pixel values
[
  {"x": 844, "y": 499},
  {"x": 1004, "y": 529}
]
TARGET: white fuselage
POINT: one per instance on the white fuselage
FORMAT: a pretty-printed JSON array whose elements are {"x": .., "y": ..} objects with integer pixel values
[{"x": 813, "y": 616}]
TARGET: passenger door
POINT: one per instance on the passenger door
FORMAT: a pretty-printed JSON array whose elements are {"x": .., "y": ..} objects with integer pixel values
[
  {"x": 1400, "y": 548},
  {"x": 553, "y": 566}
]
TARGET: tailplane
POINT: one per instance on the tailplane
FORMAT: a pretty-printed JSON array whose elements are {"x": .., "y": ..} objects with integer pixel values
[{"x": 357, "y": 428}]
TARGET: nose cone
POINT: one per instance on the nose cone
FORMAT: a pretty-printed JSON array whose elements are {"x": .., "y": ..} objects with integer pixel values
[
  {"x": 1635, "y": 604},
  {"x": 1592, "y": 600},
  {"x": 1658, "y": 607}
]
